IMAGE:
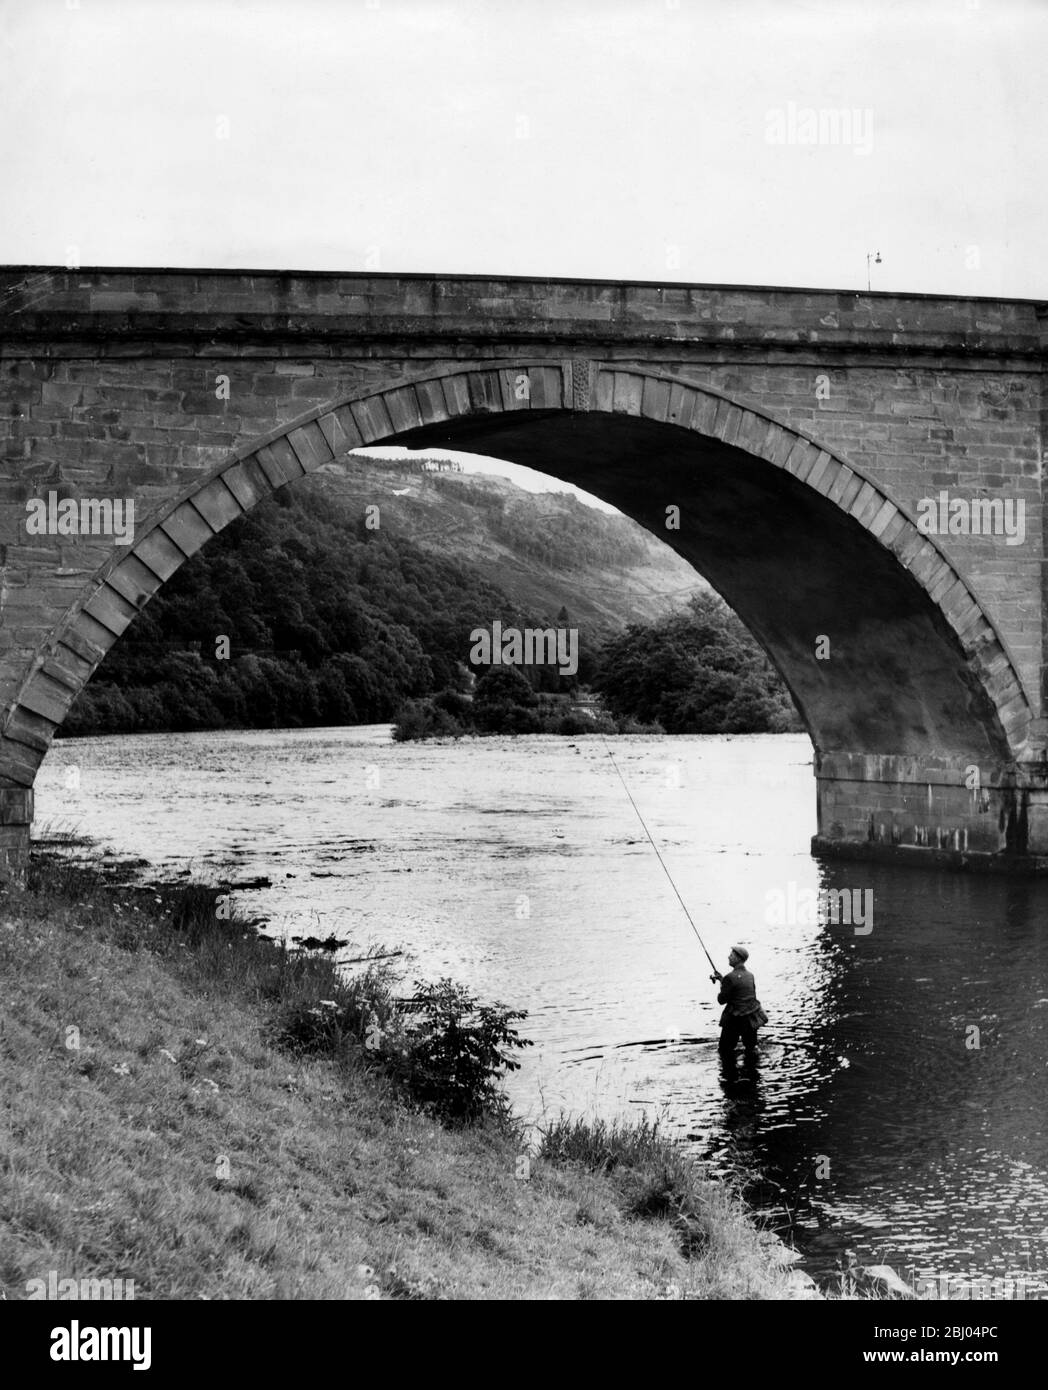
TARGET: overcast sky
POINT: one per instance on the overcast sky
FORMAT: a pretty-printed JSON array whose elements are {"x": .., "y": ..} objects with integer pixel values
[{"x": 625, "y": 139}]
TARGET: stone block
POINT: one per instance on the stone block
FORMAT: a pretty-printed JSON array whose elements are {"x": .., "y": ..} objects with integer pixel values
[
  {"x": 485, "y": 396},
  {"x": 340, "y": 431},
  {"x": 45, "y": 696},
  {"x": 655, "y": 398},
  {"x": 246, "y": 481},
  {"x": 627, "y": 393},
  {"x": 372, "y": 416},
  {"x": 110, "y": 608},
  {"x": 187, "y": 528},
  {"x": 217, "y": 504},
  {"x": 432, "y": 404},
  {"x": 279, "y": 462},
  {"x": 456, "y": 395},
  {"x": 402, "y": 406},
  {"x": 157, "y": 550},
  {"x": 134, "y": 581}
]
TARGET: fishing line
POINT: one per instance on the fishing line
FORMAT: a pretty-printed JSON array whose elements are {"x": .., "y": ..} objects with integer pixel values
[{"x": 655, "y": 847}]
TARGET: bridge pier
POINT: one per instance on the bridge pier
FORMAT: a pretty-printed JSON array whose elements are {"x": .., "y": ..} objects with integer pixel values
[
  {"x": 16, "y": 816},
  {"x": 930, "y": 811}
]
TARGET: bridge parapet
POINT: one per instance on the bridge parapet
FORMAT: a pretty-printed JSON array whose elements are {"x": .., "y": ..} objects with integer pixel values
[{"x": 57, "y": 306}]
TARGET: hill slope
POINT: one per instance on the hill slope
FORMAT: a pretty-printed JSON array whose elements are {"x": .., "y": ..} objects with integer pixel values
[
  {"x": 543, "y": 550},
  {"x": 351, "y": 591}
]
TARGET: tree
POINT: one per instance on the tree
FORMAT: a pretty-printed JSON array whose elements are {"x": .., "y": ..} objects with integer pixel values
[
  {"x": 697, "y": 672},
  {"x": 503, "y": 685},
  {"x": 504, "y": 702}
]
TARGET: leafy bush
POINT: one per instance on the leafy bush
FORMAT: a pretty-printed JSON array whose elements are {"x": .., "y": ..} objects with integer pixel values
[
  {"x": 456, "y": 704},
  {"x": 454, "y": 1052},
  {"x": 445, "y": 1050},
  {"x": 696, "y": 672},
  {"x": 504, "y": 685},
  {"x": 354, "y": 1012},
  {"x": 424, "y": 719},
  {"x": 573, "y": 724},
  {"x": 626, "y": 725}
]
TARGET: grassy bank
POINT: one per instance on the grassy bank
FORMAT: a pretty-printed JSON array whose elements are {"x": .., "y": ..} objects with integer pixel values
[{"x": 188, "y": 1106}]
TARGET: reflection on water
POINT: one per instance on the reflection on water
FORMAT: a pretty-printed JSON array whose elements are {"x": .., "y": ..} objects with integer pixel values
[{"x": 896, "y": 1106}]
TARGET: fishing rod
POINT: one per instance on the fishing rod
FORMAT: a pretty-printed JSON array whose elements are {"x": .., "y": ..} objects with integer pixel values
[{"x": 662, "y": 861}]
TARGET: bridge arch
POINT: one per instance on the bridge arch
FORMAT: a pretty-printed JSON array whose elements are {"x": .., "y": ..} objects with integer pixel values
[{"x": 796, "y": 539}]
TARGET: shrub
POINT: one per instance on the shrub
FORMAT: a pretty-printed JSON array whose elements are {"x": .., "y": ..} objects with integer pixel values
[
  {"x": 698, "y": 671},
  {"x": 454, "y": 1052},
  {"x": 423, "y": 719},
  {"x": 456, "y": 704},
  {"x": 355, "y": 1011},
  {"x": 441, "y": 1047},
  {"x": 504, "y": 685},
  {"x": 508, "y": 719},
  {"x": 573, "y": 724},
  {"x": 628, "y": 725}
]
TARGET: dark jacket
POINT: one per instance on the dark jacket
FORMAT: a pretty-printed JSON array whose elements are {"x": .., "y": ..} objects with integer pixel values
[{"x": 738, "y": 994}]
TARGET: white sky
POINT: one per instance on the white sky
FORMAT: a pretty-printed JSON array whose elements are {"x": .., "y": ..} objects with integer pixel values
[
  {"x": 622, "y": 139},
  {"x": 594, "y": 138},
  {"x": 526, "y": 478}
]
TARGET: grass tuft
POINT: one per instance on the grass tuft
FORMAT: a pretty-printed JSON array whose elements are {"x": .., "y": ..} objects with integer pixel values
[{"x": 655, "y": 1181}]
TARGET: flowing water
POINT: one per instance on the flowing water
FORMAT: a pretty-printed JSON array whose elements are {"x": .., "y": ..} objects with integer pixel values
[{"x": 897, "y": 1108}]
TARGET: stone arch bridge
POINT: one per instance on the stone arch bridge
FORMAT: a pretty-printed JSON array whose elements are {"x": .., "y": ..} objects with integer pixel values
[{"x": 806, "y": 437}]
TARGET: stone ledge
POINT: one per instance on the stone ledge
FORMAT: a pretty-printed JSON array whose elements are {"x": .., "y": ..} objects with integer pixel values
[
  {"x": 925, "y": 857},
  {"x": 187, "y": 328}
]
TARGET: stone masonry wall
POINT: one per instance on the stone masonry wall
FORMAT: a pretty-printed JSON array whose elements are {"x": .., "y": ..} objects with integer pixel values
[{"x": 108, "y": 389}]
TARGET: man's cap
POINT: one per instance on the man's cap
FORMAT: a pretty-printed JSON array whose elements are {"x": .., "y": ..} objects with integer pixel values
[{"x": 741, "y": 952}]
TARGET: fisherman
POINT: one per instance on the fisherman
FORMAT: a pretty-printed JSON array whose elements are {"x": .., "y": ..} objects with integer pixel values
[{"x": 742, "y": 1014}]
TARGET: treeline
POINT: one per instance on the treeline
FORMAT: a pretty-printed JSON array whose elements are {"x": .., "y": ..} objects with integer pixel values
[
  {"x": 298, "y": 615},
  {"x": 696, "y": 672},
  {"x": 503, "y": 701}
]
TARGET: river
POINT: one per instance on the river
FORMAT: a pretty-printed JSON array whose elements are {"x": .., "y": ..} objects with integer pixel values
[{"x": 897, "y": 1107}]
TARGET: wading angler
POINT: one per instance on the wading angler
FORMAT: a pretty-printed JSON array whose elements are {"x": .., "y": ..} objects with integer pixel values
[{"x": 743, "y": 1016}]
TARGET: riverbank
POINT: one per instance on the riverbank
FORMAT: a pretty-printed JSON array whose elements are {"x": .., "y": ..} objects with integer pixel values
[{"x": 156, "y": 1131}]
